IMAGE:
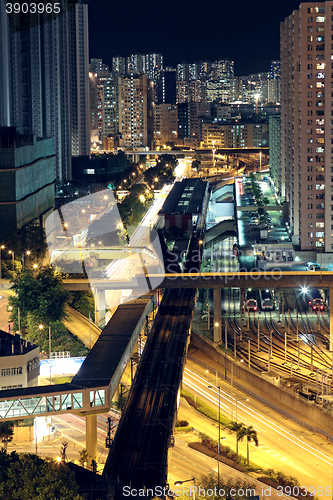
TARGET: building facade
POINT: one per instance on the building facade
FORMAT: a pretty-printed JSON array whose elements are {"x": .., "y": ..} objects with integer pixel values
[
  {"x": 27, "y": 178},
  {"x": 79, "y": 79},
  {"x": 306, "y": 123},
  {"x": 133, "y": 108},
  {"x": 19, "y": 362},
  {"x": 44, "y": 86},
  {"x": 274, "y": 153},
  {"x": 165, "y": 123}
]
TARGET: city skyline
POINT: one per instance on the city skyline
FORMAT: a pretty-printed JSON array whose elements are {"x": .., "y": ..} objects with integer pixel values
[{"x": 252, "y": 40}]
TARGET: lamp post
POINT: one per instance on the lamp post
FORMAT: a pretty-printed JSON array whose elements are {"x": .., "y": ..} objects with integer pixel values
[
  {"x": 1, "y": 248},
  {"x": 27, "y": 253},
  {"x": 12, "y": 254},
  {"x": 178, "y": 483},
  {"x": 237, "y": 400},
  {"x": 321, "y": 240},
  {"x": 41, "y": 328}
]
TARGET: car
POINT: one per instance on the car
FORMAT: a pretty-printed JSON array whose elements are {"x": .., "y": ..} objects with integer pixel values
[
  {"x": 314, "y": 268},
  {"x": 269, "y": 219},
  {"x": 310, "y": 263},
  {"x": 253, "y": 223},
  {"x": 275, "y": 241}
]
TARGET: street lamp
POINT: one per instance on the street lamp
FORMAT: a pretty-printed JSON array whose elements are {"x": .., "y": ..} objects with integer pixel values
[
  {"x": 11, "y": 252},
  {"x": 27, "y": 253},
  {"x": 41, "y": 328},
  {"x": 178, "y": 483},
  {"x": 1, "y": 248}
]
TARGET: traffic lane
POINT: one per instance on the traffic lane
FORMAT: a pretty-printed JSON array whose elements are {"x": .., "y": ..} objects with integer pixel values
[
  {"x": 257, "y": 410},
  {"x": 186, "y": 462},
  {"x": 4, "y": 314},
  {"x": 304, "y": 451}
]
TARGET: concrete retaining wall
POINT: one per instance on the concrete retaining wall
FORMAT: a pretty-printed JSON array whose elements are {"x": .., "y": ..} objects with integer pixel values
[{"x": 310, "y": 410}]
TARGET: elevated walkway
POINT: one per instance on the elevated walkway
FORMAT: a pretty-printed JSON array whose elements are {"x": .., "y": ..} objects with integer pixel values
[{"x": 93, "y": 387}]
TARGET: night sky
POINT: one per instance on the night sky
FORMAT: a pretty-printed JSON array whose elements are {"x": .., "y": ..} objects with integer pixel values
[{"x": 246, "y": 31}]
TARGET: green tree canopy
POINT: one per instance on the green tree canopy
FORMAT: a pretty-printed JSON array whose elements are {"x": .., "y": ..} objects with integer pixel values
[
  {"x": 251, "y": 435},
  {"x": 41, "y": 293},
  {"x": 27, "y": 477}
]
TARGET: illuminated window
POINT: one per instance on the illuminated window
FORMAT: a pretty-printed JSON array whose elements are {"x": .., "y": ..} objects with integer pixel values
[{"x": 320, "y": 19}]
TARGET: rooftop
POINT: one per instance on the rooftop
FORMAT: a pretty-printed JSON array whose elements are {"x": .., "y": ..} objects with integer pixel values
[
  {"x": 186, "y": 197},
  {"x": 14, "y": 345}
]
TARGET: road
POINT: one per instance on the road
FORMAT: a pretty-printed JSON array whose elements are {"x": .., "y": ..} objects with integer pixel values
[
  {"x": 284, "y": 445},
  {"x": 79, "y": 326},
  {"x": 4, "y": 314},
  {"x": 186, "y": 463}
]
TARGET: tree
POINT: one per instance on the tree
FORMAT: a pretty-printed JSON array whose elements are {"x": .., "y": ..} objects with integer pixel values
[
  {"x": 196, "y": 165},
  {"x": 40, "y": 293},
  {"x": 23, "y": 477},
  {"x": 84, "y": 457},
  {"x": 237, "y": 428},
  {"x": 251, "y": 435},
  {"x": 6, "y": 432},
  {"x": 235, "y": 490},
  {"x": 63, "y": 449}
]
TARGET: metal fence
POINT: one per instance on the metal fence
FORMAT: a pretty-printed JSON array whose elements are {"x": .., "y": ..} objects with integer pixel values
[{"x": 262, "y": 399}]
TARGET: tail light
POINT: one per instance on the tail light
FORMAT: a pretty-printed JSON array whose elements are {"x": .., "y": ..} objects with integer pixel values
[
  {"x": 314, "y": 308},
  {"x": 254, "y": 308}
]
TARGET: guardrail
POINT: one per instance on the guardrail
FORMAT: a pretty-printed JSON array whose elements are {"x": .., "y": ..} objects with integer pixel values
[{"x": 262, "y": 399}]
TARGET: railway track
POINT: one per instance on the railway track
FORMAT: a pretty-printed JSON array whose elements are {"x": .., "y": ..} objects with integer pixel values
[{"x": 309, "y": 348}]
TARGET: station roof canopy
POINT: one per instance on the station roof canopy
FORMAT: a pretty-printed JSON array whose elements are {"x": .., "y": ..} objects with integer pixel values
[{"x": 186, "y": 197}]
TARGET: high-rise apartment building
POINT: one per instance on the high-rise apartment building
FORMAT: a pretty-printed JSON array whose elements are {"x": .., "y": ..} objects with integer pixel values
[
  {"x": 119, "y": 65},
  {"x": 166, "y": 86},
  {"x": 165, "y": 124},
  {"x": 306, "y": 122},
  {"x": 274, "y": 153},
  {"x": 97, "y": 66},
  {"x": 44, "y": 81},
  {"x": 111, "y": 106},
  {"x": 133, "y": 110},
  {"x": 79, "y": 79},
  {"x": 274, "y": 83}
]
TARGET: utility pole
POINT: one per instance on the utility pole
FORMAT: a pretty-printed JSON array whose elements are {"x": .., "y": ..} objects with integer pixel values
[
  {"x": 235, "y": 345},
  {"x": 249, "y": 353},
  {"x": 258, "y": 346},
  {"x": 285, "y": 348}
]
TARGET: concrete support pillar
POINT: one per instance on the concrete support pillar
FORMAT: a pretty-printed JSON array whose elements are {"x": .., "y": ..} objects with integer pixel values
[
  {"x": 91, "y": 436},
  {"x": 331, "y": 318},
  {"x": 99, "y": 307},
  {"x": 217, "y": 314}
]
